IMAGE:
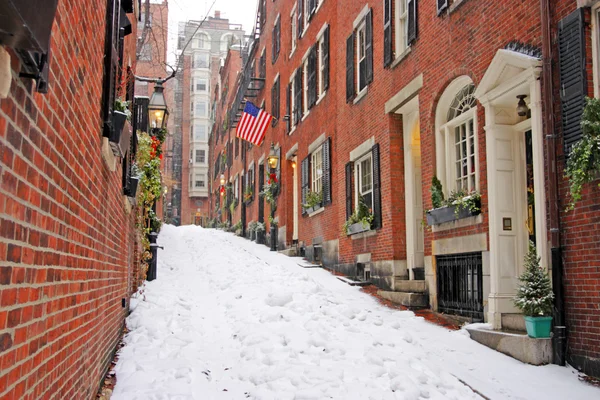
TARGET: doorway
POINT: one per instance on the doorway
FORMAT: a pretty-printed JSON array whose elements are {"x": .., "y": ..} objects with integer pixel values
[
  {"x": 295, "y": 199},
  {"x": 415, "y": 245}
]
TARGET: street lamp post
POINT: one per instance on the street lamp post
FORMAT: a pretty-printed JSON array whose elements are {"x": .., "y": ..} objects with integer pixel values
[{"x": 273, "y": 162}]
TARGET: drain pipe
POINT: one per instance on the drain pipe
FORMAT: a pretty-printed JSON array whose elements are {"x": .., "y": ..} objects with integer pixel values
[{"x": 559, "y": 337}]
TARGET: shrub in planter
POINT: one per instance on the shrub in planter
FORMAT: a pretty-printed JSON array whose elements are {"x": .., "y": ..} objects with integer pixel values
[
  {"x": 260, "y": 232},
  {"x": 534, "y": 296},
  {"x": 133, "y": 185},
  {"x": 459, "y": 204},
  {"x": 360, "y": 220},
  {"x": 314, "y": 201}
]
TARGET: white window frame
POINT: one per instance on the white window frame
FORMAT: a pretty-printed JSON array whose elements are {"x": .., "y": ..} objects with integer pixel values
[
  {"x": 401, "y": 26},
  {"x": 200, "y": 81},
  {"x": 320, "y": 64},
  {"x": 236, "y": 188},
  {"x": 294, "y": 28},
  {"x": 200, "y": 154},
  {"x": 292, "y": 101},
  {"x": 199, "y": 184},
  {"x": 448, "y": 131},
  {"x": 362, "y": 28},
  {"x": 196, "y": 133},
  {"x": 316, "y": 172},
  {"x": 358, "y": 190},
  {"x": 197, "y": 109}
]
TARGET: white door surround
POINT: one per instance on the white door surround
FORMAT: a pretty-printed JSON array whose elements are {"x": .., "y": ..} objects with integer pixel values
[
  {"x": 295, "y": 196},
  {"x": 511, "y": 74},
  {"x": 413, "y": 195}
]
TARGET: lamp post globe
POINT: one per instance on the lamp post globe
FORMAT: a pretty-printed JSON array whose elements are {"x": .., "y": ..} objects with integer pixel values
[{"x": 158, "y": 112}]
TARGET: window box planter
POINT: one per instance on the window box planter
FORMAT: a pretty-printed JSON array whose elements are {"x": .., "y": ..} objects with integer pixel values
[
  {"x": 313, "y": 208},
  {"x": 120, "y": 134},
  {"x": 446, "y": 214},
  {"x": 358, "y": 228}
]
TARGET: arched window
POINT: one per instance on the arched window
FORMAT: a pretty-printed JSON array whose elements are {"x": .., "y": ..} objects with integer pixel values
[
  {"x": 226, "y": 41},
  {"x": 456, "y": 144},
  {"x": 201, "y": 41}
]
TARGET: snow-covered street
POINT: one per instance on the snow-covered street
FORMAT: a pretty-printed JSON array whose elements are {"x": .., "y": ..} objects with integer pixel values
[{"x": 227, "y": 319}]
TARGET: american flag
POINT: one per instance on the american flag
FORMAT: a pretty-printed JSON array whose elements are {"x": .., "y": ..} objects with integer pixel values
[{"x": 253, "y": 125}]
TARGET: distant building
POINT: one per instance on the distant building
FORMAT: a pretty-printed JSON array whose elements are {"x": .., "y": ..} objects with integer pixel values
[{"x": 208, "y": 44}]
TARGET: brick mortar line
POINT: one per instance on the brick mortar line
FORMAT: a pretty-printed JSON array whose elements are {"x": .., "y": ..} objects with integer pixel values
[
  {"x": 37, "y": 228},
  {"x": 48, "y": 124},
  {"x": 54, "y": 251},
  {"x": 64, "y": 360},
  {"x": 58, "y": 338},
  {"x": 41, "y": 301},
  {"x": 49, "y": 180}
]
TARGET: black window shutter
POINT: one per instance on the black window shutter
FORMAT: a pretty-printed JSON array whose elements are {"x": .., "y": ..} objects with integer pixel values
[
  {"x": 312, "y": 7},
  {"x": 369, "y": 46},
  {"x": 350, "y": 68},
  {"x": 571, "y": 56},
  {"x": 349, "y": 193},
  {"x": 326, "y": 59},
  {"x": 300, "y": 9},
  {"x": 262, "y": 66},
  {"x": 327, "y": 171},
  {"x": 312, "y": 77},
  {"x": 273, "y": 46},
  {"x": 412, "y": 28},
  {"x": 278, "y": 38},
  {"x": 387, "y": 33},
  {"x": 111, "y": 63},
  {"x": 298, "y": 95},
  {"x": 275, "y": 102},
  {"x": 288, "y": 105},
  {"x": 376, "y": 187},
  {"x": 441, "y": 6},
  {"x": 305, "y": 181}
]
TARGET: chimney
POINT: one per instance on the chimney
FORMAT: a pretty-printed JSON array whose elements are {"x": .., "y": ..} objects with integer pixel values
[{"x": 217, "y": 14}]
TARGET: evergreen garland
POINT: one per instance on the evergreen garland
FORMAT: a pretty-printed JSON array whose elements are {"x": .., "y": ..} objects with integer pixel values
[{"x": 534, "y": 296}]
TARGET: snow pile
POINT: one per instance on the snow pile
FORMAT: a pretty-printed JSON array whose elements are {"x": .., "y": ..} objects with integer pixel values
[{"x": 227, "y": 319}]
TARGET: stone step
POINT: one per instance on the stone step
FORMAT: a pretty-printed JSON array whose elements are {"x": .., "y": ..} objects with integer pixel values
[
  {"x": 291, "y": 252},
  {"x": 407, "y": 299},
  {"x": 403, "y": 285}
]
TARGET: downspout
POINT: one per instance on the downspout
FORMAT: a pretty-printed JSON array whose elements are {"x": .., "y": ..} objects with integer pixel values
[{"x": 559, "y": 337}]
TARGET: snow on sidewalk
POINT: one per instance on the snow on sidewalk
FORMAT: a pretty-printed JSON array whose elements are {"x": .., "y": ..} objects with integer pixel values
[{"x": 227, "y": 319}]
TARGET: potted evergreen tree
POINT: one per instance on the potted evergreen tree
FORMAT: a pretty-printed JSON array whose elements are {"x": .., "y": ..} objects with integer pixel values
[{"x": 534, "y": 296}]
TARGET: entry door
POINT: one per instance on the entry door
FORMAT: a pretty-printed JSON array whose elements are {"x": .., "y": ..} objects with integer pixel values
[
  {"x": 296, "y": 207},
  {"x": 419, "y": 252}
]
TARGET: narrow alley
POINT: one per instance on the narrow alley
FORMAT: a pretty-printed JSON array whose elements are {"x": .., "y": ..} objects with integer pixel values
[{"x": 227, "y": 319}]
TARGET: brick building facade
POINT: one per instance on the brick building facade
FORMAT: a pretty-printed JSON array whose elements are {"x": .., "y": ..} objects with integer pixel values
[
  {"x": 375, "y": 99},
  {"x": 68, "y": 244}
]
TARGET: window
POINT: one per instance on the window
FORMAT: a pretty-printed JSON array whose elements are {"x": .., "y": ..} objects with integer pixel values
[
  {"x": 146, "y": 52},
  {"x": 203, "y": 41},
  {"x": 262, "y": 73},
  {"x": 457, "y": 151},
  {"x": 276, "y": 40},
  {"x": 297, "y": 96},
  {"x": 201, "y": 85},
  {"x": 200, "y": 132},
  {"x": 200, "y": 156},
  {"x": 401, "y": 17},
  {"x": 317, "y": 170},
  {"x": 323, "y": 56},
  {"x": 359, "y": 57},
  {"x": 305, "y": 87},
  {"x": 226, "y": 42},
  {"x": 201, "y": 109},
  {"x": 364, "y": 181},
  {"x": 200, "y": 183},
  {"x": 236, "y": 191},
  {"x": 294, "y": 28},
  {"x": 200, "y": 60}
]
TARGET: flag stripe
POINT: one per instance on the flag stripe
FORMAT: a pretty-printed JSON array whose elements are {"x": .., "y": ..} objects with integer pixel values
[{"x": 253, "y": 124}]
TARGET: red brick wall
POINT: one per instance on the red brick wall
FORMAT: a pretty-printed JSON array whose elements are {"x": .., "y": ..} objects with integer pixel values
[
  {"x": 65, "y": 258},
  {"x": 580, "y": 238}
]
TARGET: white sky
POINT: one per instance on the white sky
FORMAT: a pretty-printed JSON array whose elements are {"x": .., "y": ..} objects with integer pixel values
[{"x": 238, "y": 11}]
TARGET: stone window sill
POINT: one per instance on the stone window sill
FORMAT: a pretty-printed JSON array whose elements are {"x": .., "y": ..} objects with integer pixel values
[
  {"x": 361, "y": 94},
  {"x": 316, "y": 212},
  {"x": 401, "y": 57}
]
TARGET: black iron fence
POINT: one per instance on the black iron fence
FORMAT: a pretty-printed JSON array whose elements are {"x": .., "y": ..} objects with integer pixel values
[{"x": 460, "y": 284}]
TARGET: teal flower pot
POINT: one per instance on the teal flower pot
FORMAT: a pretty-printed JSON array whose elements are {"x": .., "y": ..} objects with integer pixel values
[{"x": 538, "y": 327}]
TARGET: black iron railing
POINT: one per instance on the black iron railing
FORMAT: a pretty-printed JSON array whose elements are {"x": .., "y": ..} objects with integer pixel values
[{"x": 460, "y": 284}]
